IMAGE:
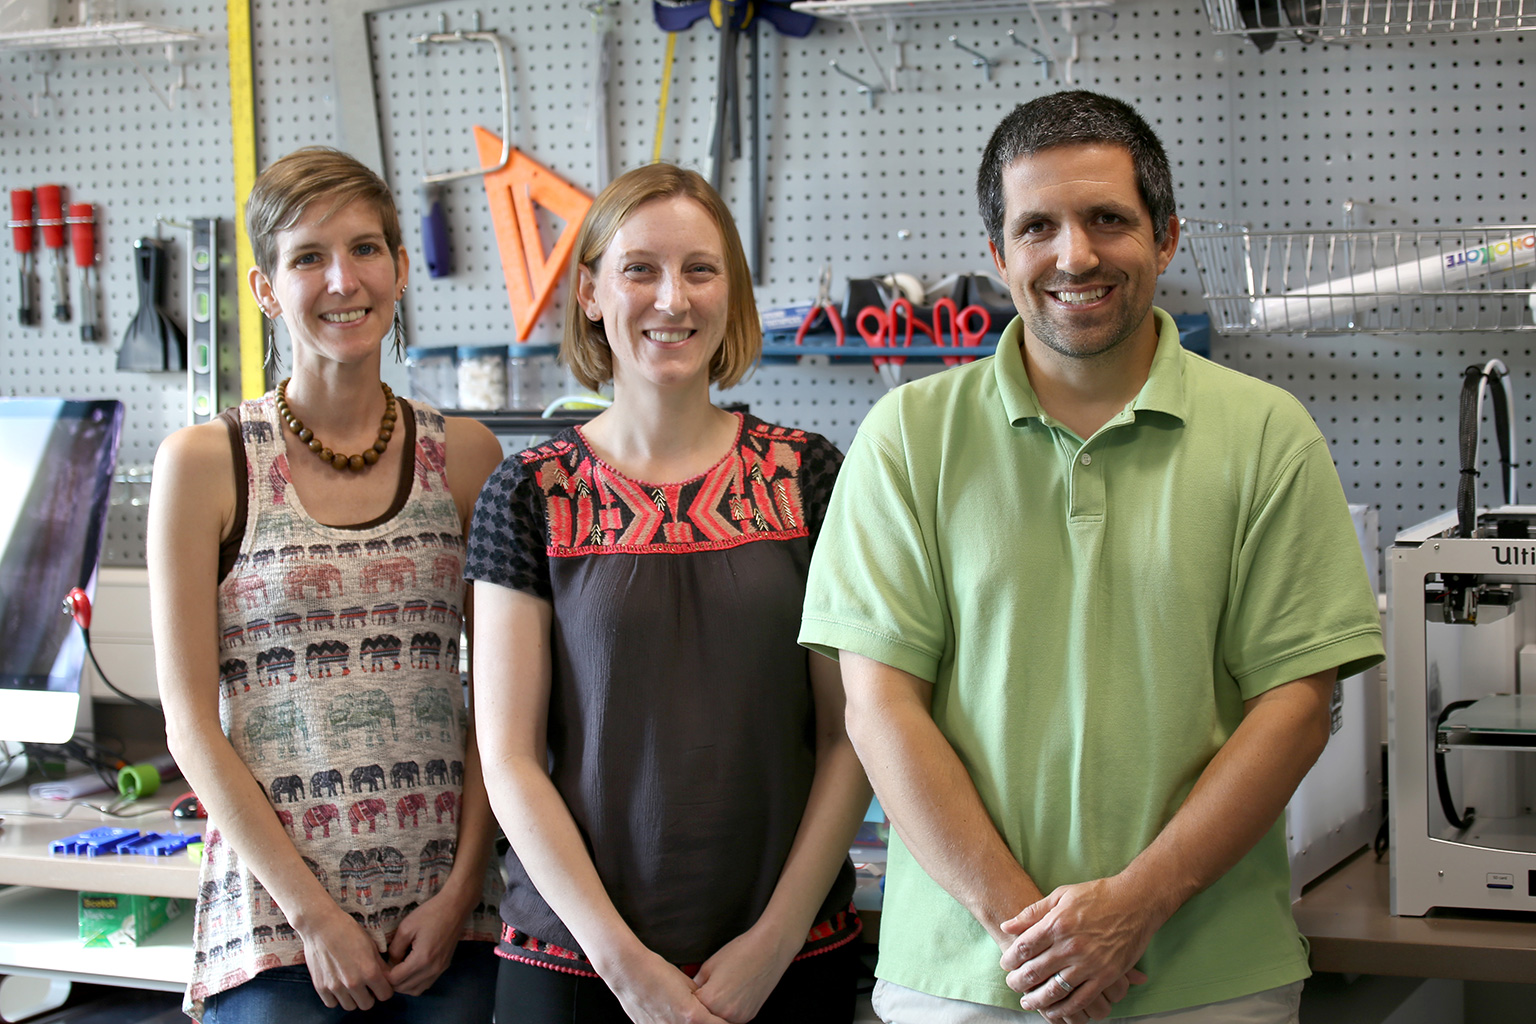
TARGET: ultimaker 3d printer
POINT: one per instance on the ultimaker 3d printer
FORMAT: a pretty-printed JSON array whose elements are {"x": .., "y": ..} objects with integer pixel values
[{"x": 1462, "y": 704}]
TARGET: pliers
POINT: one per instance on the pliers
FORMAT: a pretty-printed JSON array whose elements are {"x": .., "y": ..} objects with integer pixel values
[{"x": 823, "y": 304}]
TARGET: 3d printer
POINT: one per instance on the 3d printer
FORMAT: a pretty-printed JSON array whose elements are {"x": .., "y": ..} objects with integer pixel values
[{"x": 1461, "y": 665}]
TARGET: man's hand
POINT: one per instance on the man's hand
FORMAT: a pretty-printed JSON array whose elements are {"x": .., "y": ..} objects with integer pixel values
[{"x": 1091, "y": 935}]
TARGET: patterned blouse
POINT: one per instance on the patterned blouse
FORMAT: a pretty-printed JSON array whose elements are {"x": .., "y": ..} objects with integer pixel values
[
  {"x": 681, "y": 722},
  {"x": 339, "y": 688}
]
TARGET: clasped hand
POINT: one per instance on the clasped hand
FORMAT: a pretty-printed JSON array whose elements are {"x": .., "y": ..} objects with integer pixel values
[{"x": 1091, "y": 934}]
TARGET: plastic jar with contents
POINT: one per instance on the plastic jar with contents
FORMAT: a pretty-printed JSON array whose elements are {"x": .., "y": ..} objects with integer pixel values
[
  {"x": 532, "y": 377},
  {"x": 433, "y": 375},
  {"x": 482, "y": 377}
]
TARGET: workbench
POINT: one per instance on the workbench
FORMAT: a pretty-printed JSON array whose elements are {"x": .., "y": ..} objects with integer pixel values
[
  {"x": 39, "y": 922},
  {"x": 1344, "y": 917}
]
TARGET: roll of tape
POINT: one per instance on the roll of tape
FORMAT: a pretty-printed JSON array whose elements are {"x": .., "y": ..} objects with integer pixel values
[{"x": 138, "y": 780}]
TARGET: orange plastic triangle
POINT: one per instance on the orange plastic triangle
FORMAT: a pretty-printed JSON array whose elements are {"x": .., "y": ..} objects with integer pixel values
[{"x": 513, "y": 193}]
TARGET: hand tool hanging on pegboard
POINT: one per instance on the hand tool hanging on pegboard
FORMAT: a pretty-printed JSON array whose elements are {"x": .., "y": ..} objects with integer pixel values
[
  {"x": 731, "y": 18},
  {"x": 82, "y": 235},
  {"x": 50, "y": 217},
  {"x": 21, "y": 237},
  {"x": 153, "y": 341},
  {"x": 434, "y": 227}
]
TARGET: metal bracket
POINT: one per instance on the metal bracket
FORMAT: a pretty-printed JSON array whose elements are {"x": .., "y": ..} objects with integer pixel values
[
  {"x": 868, "y": 90},
  {"x": 978, "y": 59}
]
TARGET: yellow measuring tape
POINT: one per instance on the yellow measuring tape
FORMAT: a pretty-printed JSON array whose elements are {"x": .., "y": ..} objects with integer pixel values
[{"x": 242, "y": 110}]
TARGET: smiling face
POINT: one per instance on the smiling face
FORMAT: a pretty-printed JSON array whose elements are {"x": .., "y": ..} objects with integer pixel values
[
  {"x": 335, "y": 283},
  {"x": 661, "y": 291},
  {"x": 1079, "y": 252}
]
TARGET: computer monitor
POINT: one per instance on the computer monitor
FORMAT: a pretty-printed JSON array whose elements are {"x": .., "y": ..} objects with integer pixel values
[{"x": 56, "y": 462}]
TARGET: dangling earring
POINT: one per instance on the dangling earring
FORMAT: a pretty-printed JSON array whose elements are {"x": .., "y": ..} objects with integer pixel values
[
  {"x": 399, "y": 329},
  {"x": 272, "y": 358}
]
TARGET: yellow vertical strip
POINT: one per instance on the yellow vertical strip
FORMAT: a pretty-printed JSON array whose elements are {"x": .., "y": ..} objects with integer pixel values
[{"x": 242, "y": 110}]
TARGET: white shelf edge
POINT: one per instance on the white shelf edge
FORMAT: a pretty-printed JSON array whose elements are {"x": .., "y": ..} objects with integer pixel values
[
  {"x": 40, "y": 931},
  {"x": 126, "y": 33}
]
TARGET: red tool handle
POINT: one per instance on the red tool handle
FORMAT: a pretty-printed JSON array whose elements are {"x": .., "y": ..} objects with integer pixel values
[
  {"x": 21, "y": 219},
  {"x": 82, "y": 233},
  {"x": 50, "y": 215}
]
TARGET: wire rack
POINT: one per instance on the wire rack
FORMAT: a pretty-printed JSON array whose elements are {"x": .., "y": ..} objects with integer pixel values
[
  {"x": 1351, "y": 20},
  {"x": 1357, "y": 281}
]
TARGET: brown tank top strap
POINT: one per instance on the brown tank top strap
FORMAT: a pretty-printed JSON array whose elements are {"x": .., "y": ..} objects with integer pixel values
[{"x": 229, "y": 547}]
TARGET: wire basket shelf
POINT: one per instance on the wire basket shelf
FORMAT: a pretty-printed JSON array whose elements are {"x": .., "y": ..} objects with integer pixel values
[
  {"x": 1358, "y": 20},
  {"x": 1365, "y": 281}
]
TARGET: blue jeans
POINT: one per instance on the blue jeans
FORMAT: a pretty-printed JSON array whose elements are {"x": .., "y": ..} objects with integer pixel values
[{"x": 464, "y": 994}]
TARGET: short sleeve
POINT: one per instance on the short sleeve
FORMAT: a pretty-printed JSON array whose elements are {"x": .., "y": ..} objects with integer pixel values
[
  {"x": 873, "y": 587},
  {"x": 819, "y": 464},
  {"x": 509, "y": 535},
  {"x": 1303, "y": 600}
]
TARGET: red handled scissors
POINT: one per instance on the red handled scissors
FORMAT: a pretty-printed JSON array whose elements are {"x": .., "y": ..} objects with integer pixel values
[
  {"x": 823, "y": 304},
  {"x": 884, "y": 336},
  {"x": 961, "y": 333}
]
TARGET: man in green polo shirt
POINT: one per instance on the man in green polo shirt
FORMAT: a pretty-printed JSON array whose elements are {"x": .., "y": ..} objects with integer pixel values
[{"x": 1091, "y": 596}]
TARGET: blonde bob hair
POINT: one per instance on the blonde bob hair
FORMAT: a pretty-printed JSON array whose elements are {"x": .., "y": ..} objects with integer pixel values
[
  {"x": 584, "y": 347},
  {"x": 284, "y": 192}
]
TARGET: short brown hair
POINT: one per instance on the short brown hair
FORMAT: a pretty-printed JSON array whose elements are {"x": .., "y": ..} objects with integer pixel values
[
  {"x": 284, "y": 192},
  {"x": 584, "y": 347}
]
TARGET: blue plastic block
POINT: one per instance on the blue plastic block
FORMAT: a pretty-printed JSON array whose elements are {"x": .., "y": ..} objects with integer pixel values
[
  {"x": 94, "y": 842},
  {"x": 155, "y": 844}
]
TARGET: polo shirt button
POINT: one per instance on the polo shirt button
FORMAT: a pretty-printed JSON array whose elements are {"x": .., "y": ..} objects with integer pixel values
[{"x": 1087, "y": 459}]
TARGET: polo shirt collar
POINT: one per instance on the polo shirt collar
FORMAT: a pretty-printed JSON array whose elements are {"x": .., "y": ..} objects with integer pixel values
[{"x": 1163, "y": 392}]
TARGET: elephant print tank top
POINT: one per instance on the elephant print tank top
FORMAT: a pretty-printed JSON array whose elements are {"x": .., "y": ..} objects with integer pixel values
[{"x": 339, "y": 687}]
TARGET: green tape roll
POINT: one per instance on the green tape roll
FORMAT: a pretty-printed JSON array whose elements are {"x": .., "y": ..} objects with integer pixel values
[{"x": 138, "y": 780}]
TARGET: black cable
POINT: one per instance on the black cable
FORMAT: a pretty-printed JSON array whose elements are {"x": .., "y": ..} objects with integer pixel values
[
  {"x": 1501, "y": 427},
  {"x": 1443, "y": 784},
  {"x": 127, "y": 696},
  {"x": 1466, "y": 439}
]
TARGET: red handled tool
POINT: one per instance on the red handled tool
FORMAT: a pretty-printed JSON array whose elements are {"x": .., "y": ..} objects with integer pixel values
[
  {"x": 823, "y": 306},
  {"x": 82, "y": 236},
  {"x": 50, "y": 217},
  {"x": 21, "y": 235},
  {"x": 961, "y": 332}
]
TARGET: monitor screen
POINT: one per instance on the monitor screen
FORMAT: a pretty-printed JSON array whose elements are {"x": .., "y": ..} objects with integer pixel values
[{"x": 56, "y": 463}]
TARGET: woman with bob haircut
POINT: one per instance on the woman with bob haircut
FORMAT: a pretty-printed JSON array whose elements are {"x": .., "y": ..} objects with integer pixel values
[
  {"x": 669, "y": 766},
  {"x": 305, "y": 563}
]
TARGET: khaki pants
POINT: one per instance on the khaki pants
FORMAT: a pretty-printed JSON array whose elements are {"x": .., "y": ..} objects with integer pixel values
[{"x": 897, "y": 1005}]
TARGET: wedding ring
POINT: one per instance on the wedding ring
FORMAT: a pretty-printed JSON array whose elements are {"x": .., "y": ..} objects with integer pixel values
[{"x": 1065, "y": 987}]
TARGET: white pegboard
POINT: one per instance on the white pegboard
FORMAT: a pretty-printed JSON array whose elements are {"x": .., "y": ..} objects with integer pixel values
[
  {"x": 1429, "y": 131},
  {"x": 96, "y": 121}
]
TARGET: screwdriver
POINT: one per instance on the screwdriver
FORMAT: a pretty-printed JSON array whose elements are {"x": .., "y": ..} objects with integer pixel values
[
  {"x": 82, "y": 233},
  {"x": 50, "y": 217},
  {"x": 21, "y": 235}
]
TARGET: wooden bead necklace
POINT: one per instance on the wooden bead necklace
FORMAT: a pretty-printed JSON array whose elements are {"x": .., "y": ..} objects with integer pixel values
[{"x": 356, "y": 463}]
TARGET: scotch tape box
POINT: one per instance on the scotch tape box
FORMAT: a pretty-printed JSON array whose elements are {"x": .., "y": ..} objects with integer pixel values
[{"x": 113, "y": 919}]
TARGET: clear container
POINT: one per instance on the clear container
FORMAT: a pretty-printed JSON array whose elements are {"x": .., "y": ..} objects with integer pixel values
[
  {"x": 433, "y": 375},
  {"x": 533, "y": 379},
  {"x": 482, "y": 377},
  {"x": 100, "y": 12}
]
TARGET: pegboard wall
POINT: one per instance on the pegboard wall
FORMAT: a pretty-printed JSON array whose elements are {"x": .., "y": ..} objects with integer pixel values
[{"x": 1429, "y": 131}]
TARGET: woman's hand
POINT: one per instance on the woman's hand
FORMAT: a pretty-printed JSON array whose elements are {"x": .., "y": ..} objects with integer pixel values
[
  {"x": 737, "y": 980},
  {"x": 344, "y": 964},
  {"x": 652, "y": 991},
  {"x": 423, "y": 945}
]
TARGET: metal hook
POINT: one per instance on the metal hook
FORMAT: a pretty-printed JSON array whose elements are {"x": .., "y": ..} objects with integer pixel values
[
  {"x": 1041, "y": 57},
  {"x": 979, "y": 59},
  {"x": 864, "y": 87}
]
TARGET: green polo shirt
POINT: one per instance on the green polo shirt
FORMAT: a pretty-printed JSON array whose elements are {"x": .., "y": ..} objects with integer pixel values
[{"x": 1092, "y": 615}]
